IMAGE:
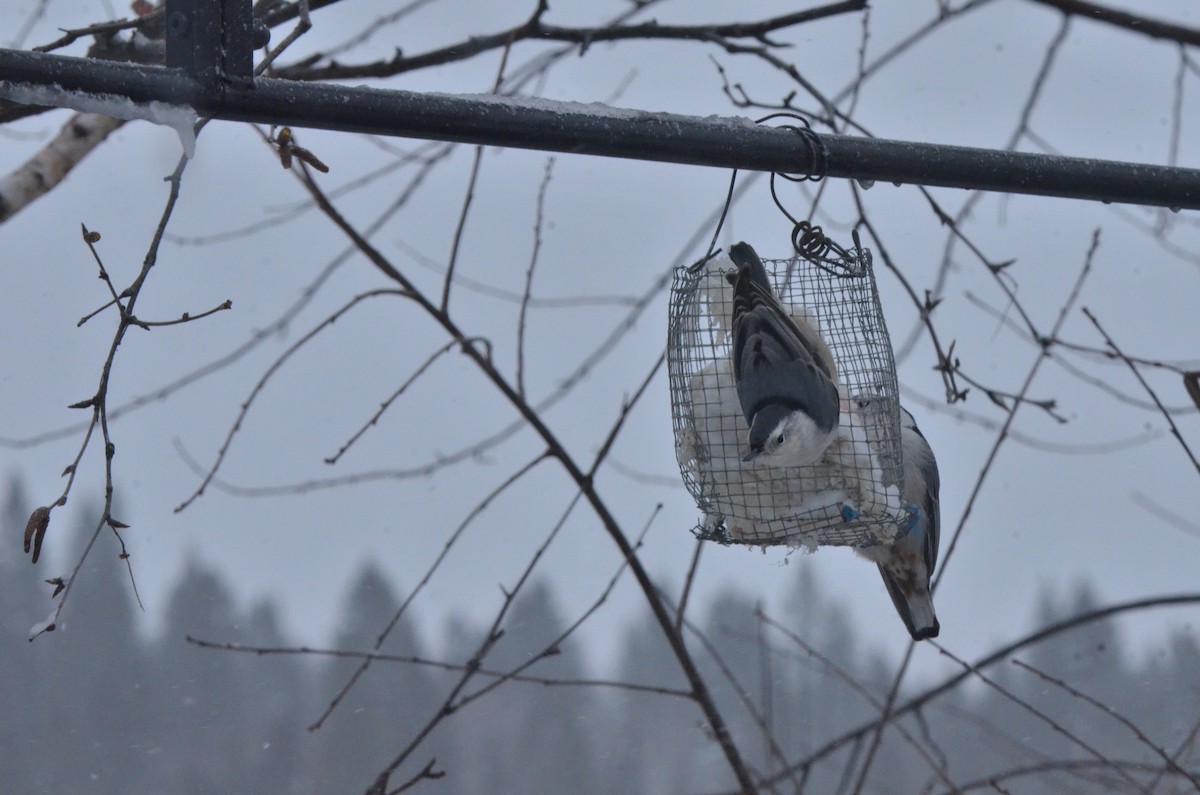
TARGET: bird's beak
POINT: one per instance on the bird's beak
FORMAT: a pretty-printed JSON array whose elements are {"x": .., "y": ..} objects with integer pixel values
[{"x": 750, "y": 456}]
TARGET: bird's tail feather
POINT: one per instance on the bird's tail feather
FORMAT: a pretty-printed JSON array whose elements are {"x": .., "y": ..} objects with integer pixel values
[{"x": 916, "y": 609}]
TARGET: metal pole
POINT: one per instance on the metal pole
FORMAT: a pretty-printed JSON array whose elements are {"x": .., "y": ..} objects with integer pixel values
[{"x": 613, "y": 132}]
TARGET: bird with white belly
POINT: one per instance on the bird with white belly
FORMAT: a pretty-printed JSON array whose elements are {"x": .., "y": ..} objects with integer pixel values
[{"x": 783, "y": 369}]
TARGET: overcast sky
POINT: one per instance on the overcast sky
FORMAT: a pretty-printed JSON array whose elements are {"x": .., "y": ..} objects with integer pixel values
[{"x": 1051, "y": 513}]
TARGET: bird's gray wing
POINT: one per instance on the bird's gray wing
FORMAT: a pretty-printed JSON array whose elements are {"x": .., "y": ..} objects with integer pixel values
[
  {"x": 930, "y": 501},
  {"x": 752, "y": 284},
  {"x": 772, "y": 365},
  {"x": 933, "y": 509}
]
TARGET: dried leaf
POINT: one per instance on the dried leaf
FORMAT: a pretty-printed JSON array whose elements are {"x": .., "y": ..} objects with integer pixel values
[
  {"x": 1191, "y": 382},
  {"x": 58, "y": 584},
  {"x": 116, "y": 524},
  {"x": 35, "y": 530},
  {"x": 83, "y": 404},
  {"x": 284, "y": 142},
  {"x": 310, "y": 158}
]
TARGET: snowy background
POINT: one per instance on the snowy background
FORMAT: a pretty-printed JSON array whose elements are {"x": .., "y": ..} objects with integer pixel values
[{"x": 1063, "y": 504}]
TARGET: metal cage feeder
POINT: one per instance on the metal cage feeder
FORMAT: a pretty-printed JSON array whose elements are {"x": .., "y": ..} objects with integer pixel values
[{"x": 851, "y": 496}]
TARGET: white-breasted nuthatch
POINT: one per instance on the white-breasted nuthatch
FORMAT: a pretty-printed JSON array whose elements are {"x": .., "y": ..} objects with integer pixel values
[
  {"x": 907, "y": 563},
  {"x": 783, "y": 369}
]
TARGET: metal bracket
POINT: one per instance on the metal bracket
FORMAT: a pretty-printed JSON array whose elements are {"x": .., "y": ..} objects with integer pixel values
[{"x": 214, "y": 40}]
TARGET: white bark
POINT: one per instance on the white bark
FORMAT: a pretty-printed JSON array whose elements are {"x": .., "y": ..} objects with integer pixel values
[{"x": 45, "y": 170}]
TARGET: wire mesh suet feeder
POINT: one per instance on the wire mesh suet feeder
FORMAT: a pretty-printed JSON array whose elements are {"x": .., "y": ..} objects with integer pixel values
[{"x": 851, "y": 496}]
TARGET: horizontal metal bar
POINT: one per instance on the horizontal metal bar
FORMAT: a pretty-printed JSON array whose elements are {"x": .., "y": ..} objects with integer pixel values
[{"x": 614, "y": 132}]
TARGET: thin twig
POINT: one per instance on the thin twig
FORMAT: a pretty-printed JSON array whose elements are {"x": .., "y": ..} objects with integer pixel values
[
  {"x": 1164, "y": 514},
  {"x": 1064, "y": 310},
  {"x": 424, "y": 662},
  {"x": 1147, "y": 26},
  {"x": 266, "y": 377},
  {"x": 1040, "y": 715},
  {"x": 392, "y": 398},
  {"x": 1149, "y": 390},
  {"x": 303, "y": 25},
  {"x": 885, "y": 718},
  {"x": 554, "y": 645},
  {"x": 1004, "y": 652},
  {"x": 535, "y": 29},
  {"x": 99, "y": 401},
  {"x": 954, "y": 236},
  {"x": 1117, "y": 716},
  {"x": 924, "y": 308},
  {"x": 700, "y": 691},
  {"x": 747, "y": 702},
  {"x": 186, "y": 317},
  {"x": 475, "y": 512},
  {"x": 469, "y": 196},
  {"x": 490, "y": 638},
  {"x": 992, "y": 781},
  {"x": 103, "y": 29},
  {"x": 374, "y": 28},
  {"x": 693, "y": 567},
  {"x": 939, "y": 769},
  {"x": 426, "y": 773},
  {"x": 539, "y": 219}
]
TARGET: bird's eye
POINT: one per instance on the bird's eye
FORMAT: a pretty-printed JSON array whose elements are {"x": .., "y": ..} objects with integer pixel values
[{"x": 779, "y": 440}]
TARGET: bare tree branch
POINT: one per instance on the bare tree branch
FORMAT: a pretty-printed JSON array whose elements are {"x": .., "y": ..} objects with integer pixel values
[
  {"x": 1153, "y": 395},
  {"x": 1041, "y": 715},
  {"x": 1147, "y": 26},
  {"x": 1002, "y": 653},
  {"x": 584, "y": 481},
  {"x": 1117, "y": 716},
  {"x": 535, "y": 29}
]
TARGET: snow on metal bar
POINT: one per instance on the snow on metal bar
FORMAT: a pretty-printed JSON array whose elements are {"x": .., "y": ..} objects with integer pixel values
[{"x": 595, "y": 129}]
